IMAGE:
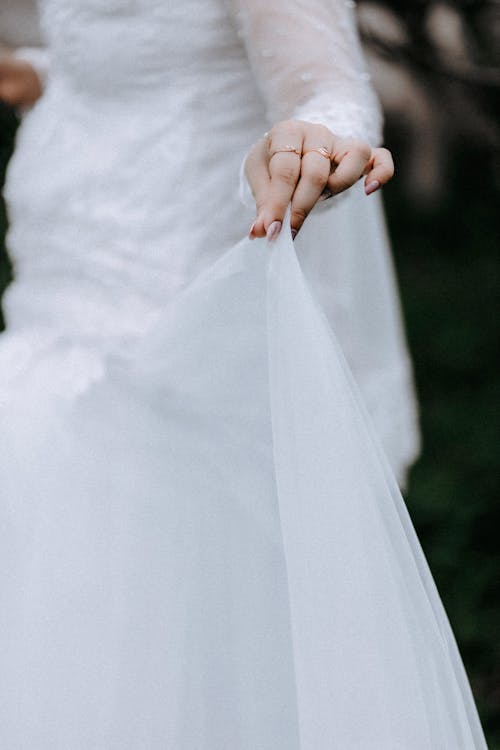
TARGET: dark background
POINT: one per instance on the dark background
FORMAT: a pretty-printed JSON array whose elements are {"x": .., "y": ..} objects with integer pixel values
[
  {"x": 444, "y": 217},
  {"x": 447, "y": 262}
]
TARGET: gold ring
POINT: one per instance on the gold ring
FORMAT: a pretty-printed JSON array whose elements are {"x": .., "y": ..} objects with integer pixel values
[
  {"x": 286, "y": 149},
  {"x": 322, "y": 151}
]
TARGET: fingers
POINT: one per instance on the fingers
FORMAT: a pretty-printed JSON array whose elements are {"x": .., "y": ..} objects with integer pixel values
[
  {"x": 379, "y": 170},
  {"x": 351, "y": 159},
  {"x": 284, "y": 149},
  {"x": 314, "y": 173},
  {"x": 292, "y": 164}
]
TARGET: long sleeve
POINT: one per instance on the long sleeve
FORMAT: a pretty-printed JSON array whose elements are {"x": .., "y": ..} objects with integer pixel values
[{"x": 308, "y": 64}]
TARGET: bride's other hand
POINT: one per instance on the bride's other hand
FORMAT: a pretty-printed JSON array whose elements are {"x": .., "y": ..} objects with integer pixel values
[
  {"x": 20, "y": 85},
  {"x": 302, "y": 163}
]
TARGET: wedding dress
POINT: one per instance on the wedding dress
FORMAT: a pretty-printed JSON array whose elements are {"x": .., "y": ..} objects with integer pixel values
[{"x": 203, "y": 545}]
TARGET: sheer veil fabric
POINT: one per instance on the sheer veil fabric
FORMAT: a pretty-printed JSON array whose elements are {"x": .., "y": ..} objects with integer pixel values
[
  {"x": 203, "y": 545},
  {"x": 373, "y": 641},
  {"x": 219, "y": 553}
]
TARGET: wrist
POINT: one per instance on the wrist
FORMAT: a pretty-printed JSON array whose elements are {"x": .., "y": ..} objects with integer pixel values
[{"x": 38, "y": 58}]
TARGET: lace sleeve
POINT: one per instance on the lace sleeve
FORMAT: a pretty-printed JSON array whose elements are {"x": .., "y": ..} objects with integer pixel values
[{"x": 307, "y": 60}]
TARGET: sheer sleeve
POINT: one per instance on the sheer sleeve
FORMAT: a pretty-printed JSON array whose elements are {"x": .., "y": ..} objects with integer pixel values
[{"x": 307, "y": 60}]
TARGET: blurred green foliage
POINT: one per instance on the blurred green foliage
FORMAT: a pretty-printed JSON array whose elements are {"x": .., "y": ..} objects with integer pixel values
[{"x": 447, "y": 264}]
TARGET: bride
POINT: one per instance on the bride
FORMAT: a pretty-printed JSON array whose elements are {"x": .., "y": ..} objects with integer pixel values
[{"x": 203, "y": 543}]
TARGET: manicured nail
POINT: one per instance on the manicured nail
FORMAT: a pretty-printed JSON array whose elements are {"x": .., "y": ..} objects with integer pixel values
[
  {"x": 273, "y": 231},
  {"x": 294, "y": 233},
  {"x": 372, "y": 186}
]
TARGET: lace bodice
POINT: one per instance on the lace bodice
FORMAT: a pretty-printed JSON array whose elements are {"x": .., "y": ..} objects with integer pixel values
[
  {"x": 149, "y": 111},
  {"x": 305, "y": 54},
  {"x": 124, "y": 184}
]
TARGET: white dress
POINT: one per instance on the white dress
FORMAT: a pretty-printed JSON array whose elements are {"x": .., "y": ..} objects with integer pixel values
[{"x": 203, "y": 546}]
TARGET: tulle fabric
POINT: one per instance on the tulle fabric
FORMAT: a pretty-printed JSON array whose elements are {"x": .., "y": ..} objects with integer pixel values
[
  {"x": 203, "y": 547},
  {"x": 376, "y": 661}
]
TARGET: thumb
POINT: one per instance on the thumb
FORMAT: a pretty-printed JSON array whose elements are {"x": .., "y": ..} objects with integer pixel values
[{"x": 257, "y": 174}]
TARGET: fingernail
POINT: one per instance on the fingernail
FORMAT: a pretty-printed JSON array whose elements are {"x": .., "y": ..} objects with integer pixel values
[
  {"x": 294, "y": 233},
  {"x": 250, "y": 231},
  {"x": 273, "y": 231},
  {"x": 372, "y": 186}
]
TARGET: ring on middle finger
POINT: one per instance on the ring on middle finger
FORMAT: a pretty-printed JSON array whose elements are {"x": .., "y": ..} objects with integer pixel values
[
  {"x": 287, "y": 150},
  {"x": 322, "y": 151}
]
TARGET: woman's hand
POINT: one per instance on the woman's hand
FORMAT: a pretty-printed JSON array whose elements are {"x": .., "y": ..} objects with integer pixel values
[
  {"x": 302, "y": 163},
  {"x": 20, "y": 85}
]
